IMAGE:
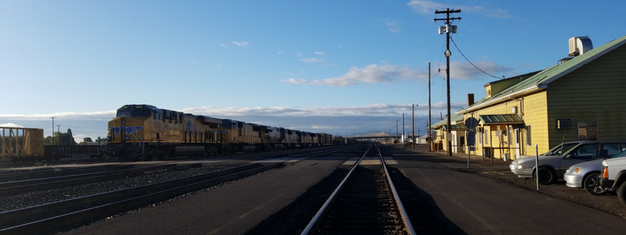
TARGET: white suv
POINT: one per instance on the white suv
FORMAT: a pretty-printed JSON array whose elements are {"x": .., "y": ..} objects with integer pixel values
[{"x": 614, "y": 176}]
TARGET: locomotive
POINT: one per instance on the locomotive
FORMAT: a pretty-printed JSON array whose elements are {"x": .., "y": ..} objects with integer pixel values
[{"x": 145, "y": 132}]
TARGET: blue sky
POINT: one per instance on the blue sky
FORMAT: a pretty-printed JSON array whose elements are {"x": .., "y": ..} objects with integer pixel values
[{"x": 337, "y": 67}]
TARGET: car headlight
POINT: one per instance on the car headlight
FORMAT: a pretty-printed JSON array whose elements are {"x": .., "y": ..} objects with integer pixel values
[
  {"x": 572, "y": 170},
  {"x": 517, "y": 166}
]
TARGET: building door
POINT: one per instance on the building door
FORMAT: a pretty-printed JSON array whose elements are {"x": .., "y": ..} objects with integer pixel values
[{"x": 462, "y": 143}]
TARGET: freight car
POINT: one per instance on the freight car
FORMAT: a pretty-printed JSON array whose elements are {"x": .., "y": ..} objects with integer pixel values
[
  {"x": 145, "y": 132},
  {"x": 75, "y": 151},
  {"x": 21, "y": 144}
]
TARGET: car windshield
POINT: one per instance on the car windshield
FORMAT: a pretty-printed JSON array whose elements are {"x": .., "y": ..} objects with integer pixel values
[{"x": 560, "y": 149}]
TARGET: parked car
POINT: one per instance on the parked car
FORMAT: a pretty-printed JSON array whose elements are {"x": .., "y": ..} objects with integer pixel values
[
  {"x": 614, "y": 176},
  {"x": 552, "y": 165},
  {"x": 587, "y": 174}
]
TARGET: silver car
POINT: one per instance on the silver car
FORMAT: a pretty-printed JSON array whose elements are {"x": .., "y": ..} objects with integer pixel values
[
  {"x": 552, "y": 165},
  {"x": 585, "y": 175}
]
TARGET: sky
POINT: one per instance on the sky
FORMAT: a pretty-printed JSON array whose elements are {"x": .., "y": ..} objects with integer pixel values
[{"x": 338, "y": 67}]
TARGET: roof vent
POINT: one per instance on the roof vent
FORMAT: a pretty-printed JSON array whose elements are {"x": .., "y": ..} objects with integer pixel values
[{"x": 579, "y": 45}]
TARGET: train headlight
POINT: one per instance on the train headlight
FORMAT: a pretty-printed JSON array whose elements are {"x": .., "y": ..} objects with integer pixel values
[
  {"x": 123, "y": 121},
  {"x": 127, "y": 138}
]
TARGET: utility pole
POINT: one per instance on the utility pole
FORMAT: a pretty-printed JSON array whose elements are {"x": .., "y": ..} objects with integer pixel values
[
  {"x": 52, "y": 130},
  {"x": 413, "y": 126},
  {"x": 403, "y": 138},
  {"x": 59, "y": 130},
  {"x": 430, "y": 138},
  {"x": 448, "y": 29}
]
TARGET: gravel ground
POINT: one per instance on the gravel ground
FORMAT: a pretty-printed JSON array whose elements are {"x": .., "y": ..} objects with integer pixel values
[
  {"x": 607, "y": 203},
  {"x": 46, "y": 196}
]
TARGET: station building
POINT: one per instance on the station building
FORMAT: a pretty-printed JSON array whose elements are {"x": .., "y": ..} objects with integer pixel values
[{"x": 580, "y": 98}]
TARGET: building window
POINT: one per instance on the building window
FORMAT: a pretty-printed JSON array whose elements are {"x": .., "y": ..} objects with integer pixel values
[
  {"x": 480, "y": 136},
  {"x": 528, "y": 137},
  {"x": 509, "y": 130},
  {"x": 588, "y": 131},
  {"x": 487, "y": 133}
]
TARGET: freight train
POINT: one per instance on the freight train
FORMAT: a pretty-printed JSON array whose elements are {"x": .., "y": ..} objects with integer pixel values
[{"x": 145, "y": 132}]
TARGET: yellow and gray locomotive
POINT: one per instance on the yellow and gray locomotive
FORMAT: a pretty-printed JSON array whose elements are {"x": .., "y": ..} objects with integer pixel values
[{"x": 141, "y": 131}]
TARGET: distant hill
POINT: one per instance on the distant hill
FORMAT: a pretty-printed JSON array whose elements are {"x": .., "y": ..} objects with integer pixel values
[{"x": 374, "y": 134}]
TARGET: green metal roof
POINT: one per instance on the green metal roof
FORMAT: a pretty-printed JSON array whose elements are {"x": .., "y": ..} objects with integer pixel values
[
  {"x": 501, "y": 119},
  {"x": 546, "y": 76},
  {"x": 456, "y": 127}
]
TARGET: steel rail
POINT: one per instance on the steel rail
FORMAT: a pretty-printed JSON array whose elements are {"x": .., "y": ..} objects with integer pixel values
[
  {"x": 34, "y": 173},
  {"x": 67, "y": 213},
  {"x": 405, "y": 216},
  {"x": 18, "y": 187},
  {"x": 317, "y": 219},
  {"x": 63, "y": 214},
  {"x": 322, "y": 211}
]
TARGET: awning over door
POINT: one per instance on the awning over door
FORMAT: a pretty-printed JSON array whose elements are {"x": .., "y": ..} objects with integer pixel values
[{"x": 501, "y": 119}]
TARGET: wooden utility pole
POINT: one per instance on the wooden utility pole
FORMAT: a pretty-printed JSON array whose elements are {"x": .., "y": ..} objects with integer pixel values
[
  {"x": 413, "y": 125},
  {"x": 430, "y": 138},
  {"x": 448, "y": 28}
]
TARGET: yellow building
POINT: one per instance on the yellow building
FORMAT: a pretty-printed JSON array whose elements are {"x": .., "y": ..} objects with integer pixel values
[{"x": 580, "y": 98}]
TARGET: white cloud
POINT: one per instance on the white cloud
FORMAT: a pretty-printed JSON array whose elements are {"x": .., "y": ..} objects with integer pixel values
[
  {"x": 241, "y": 44},
  {"x": 379, "y": 110},
  {"x": 319, "y": 53},
  {"x": 369, "y": 74},
  {"x": 312, "y": 59},
  {"x": 429, "y": 7},
  {"x": 332, "y": 120},
  {"x": 393, "y": 26},
  {"x": 10, "y": 125},
  {"x": 62, "y": 115}
]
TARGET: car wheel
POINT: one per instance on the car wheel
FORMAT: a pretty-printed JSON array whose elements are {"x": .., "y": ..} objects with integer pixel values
[
  {"x": 546, "y": 175},
  {"x": 592, "y": 185},
  {"x": 621, "y": 192}
]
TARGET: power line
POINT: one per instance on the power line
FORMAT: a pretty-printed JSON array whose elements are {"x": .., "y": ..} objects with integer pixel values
[{"x": 457, "y": 48}]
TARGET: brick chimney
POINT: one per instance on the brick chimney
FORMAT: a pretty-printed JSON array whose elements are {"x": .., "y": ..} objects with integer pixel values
[{"x": 470, "y": 99}]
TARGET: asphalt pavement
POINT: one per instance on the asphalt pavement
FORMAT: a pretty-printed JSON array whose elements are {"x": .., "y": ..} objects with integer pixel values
[{"x": 468, "y": 203}]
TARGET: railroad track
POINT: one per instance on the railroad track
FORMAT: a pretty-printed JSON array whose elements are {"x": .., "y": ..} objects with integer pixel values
[
  {"x": 365, "y": 202},
  {"x": 33, "y": 173},
  {"x": 78, "y": 177},
  {"x": 66, "y": 214}
]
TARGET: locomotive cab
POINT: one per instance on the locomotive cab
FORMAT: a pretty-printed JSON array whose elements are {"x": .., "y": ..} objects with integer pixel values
[{"x": 132, "y": 127}]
